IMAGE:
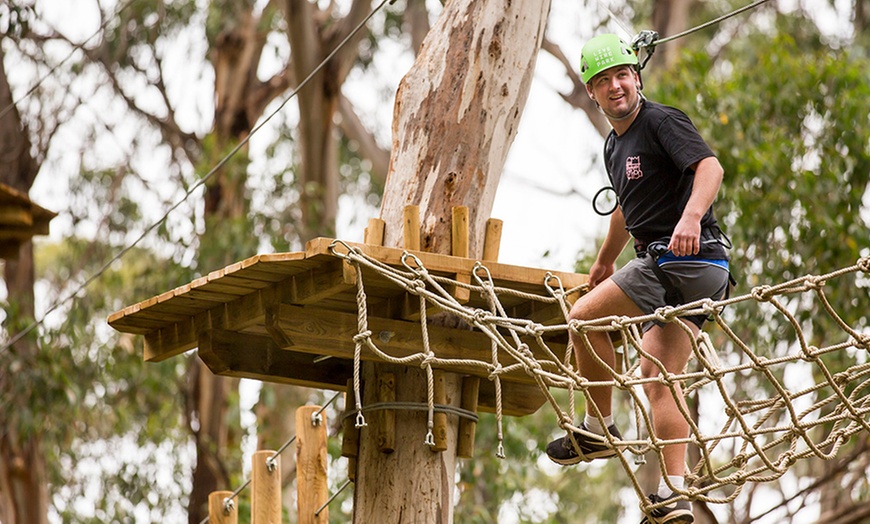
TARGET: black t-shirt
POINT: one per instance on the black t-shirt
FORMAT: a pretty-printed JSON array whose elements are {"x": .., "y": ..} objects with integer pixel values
[{"x": 650, "y": 168}]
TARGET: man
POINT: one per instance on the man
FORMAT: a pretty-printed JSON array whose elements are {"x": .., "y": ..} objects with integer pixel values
[{"x": 666, "y": 179}]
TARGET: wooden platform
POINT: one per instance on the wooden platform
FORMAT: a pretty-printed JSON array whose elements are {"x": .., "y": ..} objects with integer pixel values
[
  {"x": 291, "y": 318},
  {"x": 20, "y": 220}
]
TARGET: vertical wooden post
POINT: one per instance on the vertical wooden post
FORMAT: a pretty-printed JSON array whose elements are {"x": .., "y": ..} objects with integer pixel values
[
  {"x": 492, "y": 240},
  {"x": 265, "y": 488},
  {"x": 312, "y": 490},
  {"x": 386, "y": 427},
  {"x": 439, "y": 429},
  {"x": 218, "y": 513},
  {"x": 350, "y": 433},
  {"x": 459, "y": 232},
  {"x": 467, "y": 427},
  {"x": 459, "y": 242},
  {"x": 411, "y": 228},
  {"x": 374, "y": 232}
]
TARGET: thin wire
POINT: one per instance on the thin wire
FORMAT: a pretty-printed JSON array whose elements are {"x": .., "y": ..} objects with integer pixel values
[
  {"x": 196, "y": 186},
  {"x": 62, "y": 62},
  {"x": 624, "y": 26},
  {"x": 711, "y": 22}
]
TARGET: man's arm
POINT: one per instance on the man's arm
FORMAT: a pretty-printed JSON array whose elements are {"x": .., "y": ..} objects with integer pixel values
[
  {"x": 686, "y": 239},
  {"x": 615, "y": 241}
]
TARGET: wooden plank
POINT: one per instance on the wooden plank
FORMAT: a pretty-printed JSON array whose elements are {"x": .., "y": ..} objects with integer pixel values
[{"x": 314, "y": 330}]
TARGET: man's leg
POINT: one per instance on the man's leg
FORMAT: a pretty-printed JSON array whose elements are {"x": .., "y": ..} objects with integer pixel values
[
  {"x": 672, "y": 347},
  {"x": 604, "y": 300}
]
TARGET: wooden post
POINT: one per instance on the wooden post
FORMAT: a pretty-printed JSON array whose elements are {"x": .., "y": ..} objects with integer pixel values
[
  {"x": 218, "y": 513},
  {"x": 459, "y": 248},
  {"x": 374, "y": 232},
  {"x": 492, "y": 240},
  {"x": 350, "y": 433},
  {"x": 311, "y": 486},
  {"x": 386, "y": 426},
  {"x": 439, "y": 429},
  {"x": 467, "y": 427},
  {"x": 411, "y": 228},
  {"x": 265, "y": 488}
]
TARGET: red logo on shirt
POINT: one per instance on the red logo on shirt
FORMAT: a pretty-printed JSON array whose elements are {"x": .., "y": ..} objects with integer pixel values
[{"x": 632, "y": 168}]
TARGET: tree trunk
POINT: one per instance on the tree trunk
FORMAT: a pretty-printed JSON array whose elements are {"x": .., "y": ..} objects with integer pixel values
[
  {"x": 23, "y": 488},
  {"x": 456, "y": 115},
  {"x": 457, "y": 112}
]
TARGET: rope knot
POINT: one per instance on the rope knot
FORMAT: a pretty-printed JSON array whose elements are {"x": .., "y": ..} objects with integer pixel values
[
  {"x": 428, "y": 359},
  {"x": 666, "y": 313},
  {"x": 481, "y": 317},
  {"x": 814, "y": 282},
  {"x": 362, "y": 337},
  {"x": 495, "y": 372},
  {"x": 809, "y": 354},
  {"x": 864, "y": 264},
  {"x": 762, "y": 293}
]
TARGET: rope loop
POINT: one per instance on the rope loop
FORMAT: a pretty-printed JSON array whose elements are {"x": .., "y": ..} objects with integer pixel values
[
  {"x": 557, "y": 291},
  {"x": 488, "y": 283},
  {"x": 418, "y": 268},
  {"x": 346, "y": 246}
]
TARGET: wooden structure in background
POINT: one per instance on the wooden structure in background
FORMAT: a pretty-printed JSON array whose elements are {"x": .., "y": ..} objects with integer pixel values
[{"x": 20, "y": 220}]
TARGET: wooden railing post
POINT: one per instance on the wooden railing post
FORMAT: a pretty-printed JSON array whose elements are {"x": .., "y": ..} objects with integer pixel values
[
  {"x": 311, "y": 486},
  {"x": 265, "y": 488},
  {"x": 218, "y": 511}
]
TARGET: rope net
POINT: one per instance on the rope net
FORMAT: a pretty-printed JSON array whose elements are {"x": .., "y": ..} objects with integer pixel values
[{"x": 810, "y": 410}]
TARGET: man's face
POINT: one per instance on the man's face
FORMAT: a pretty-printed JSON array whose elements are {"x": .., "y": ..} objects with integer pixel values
[{"x": 615, "y": 90}]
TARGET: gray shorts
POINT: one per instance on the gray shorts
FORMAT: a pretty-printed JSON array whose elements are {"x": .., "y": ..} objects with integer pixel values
[{"x": 696, "y": 280}]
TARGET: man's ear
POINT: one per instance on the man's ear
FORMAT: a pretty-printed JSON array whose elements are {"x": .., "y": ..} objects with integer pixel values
[{"x": 589, "y": 92}]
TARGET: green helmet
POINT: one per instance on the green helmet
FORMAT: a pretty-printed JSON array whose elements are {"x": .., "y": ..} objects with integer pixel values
[{"x": 603, "y": 52}]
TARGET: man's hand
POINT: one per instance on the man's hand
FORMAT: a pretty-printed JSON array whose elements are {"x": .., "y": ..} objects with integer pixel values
[
  {"x": 599, "y": 272},
  {"x": 686, "y": 239}
]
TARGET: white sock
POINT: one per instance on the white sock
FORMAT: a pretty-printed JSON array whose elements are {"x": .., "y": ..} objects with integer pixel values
[
  {"x": 594, "y": 426},
  {"x": 677, "y": 482}
]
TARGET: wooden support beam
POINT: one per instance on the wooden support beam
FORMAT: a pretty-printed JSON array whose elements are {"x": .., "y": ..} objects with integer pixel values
[
  {"x": 374, "y": 233},
  {"x": 312, "y": 490},
  {"x": 265, "y": 488},
  {"x": 467, "y": 427},
  {"x": 218, "y": 512}
]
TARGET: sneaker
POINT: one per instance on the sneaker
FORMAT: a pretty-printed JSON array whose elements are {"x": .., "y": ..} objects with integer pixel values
[
  {"x": 677, "y": 512},
  {"x": 562, "y": 451}
]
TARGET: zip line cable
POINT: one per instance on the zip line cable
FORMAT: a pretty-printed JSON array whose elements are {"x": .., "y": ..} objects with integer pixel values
[
  {"x": 712, "y": 22},
  {"x": 54, "y": 68},
  {"x": 21, "y": 334}
]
